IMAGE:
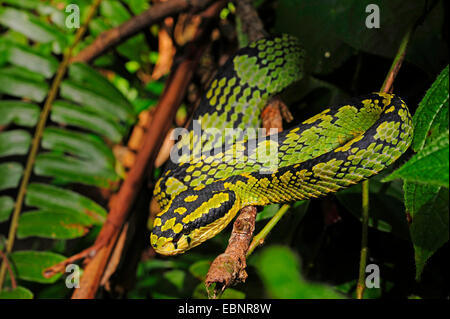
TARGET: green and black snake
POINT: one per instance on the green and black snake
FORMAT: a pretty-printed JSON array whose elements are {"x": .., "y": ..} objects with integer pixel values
[{"x": 221, "y": 171}]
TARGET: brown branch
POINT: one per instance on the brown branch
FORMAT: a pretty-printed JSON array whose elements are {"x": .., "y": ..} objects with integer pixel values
[
  {"x": 8, "y": 267},
  {"x": 252, "y": 25},
  {"x": 155, "y": 132},
  {"x": 229, "y": 268},
  {"x": 155, "y": 14}
]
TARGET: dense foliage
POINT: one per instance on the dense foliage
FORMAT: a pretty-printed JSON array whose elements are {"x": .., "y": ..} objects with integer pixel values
[{"x": 314, "y": 251}]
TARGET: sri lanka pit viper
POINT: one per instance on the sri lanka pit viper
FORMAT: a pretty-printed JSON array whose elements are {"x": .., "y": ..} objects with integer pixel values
[{"x": 215, "y": 171}]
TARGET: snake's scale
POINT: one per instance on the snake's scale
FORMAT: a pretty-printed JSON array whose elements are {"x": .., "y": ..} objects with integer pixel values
[{"x": 343, "y": 145}]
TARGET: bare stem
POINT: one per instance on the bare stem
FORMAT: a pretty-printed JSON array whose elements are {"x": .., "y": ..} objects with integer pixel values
[
  {"x": 260, "y": 237},
  {"x": 8, "y": 266},
  {"x": 386, "y": 88}
]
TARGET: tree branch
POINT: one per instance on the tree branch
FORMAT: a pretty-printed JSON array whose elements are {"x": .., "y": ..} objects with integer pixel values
[
  {"x": 229, "y": 268},
  {"x": 155, "y": 132},
  {"x": 155, "y": 14},
  {"x": 39, "y": 132}
]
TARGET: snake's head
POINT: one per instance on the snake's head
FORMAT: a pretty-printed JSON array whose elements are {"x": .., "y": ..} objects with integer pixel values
[{"x": 191, "y": 218}]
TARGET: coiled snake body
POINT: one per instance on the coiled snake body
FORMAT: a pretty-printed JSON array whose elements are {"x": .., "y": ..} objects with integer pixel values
[{"x": 220, "y": 171}]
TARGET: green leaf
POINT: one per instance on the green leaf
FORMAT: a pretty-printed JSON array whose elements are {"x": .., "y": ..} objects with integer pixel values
[
  {"x": 200, "y": 292},
  {"x": 155, "y": 87},
  {"x": 10, "y": 174},
  {"x": 15, "y": 142},
  {"x": 386, "y": 205},
  {"x": 32, "y": 27},
  {"x": 432, "y": 111},
  {"x": 268, "y": 212},
  {"x": 114, "y": 11},
  {"x": 279, "y": 269},
  {"x": 349, "y": 288},
  {"x": 52, "y": 198},
  {"x": 6, "y": 207},
  {"x": 95, "y": 101},
  {"x": 324, "y": 48},
  {"x": 26, "y": 4},
  {"x": 71, "y": 114},
  {"x": 18, "y": 83},
  {"x": 175, "y": 277},
  {"x": 429, "y": 166},
  {"x": 137, "y": 6},
  {"x": 71, "y": 169},
  {"x": 430, "y": 229},
  {"x": 200, "y": 268},
  {"x": 19, "y": 113},
  {"x": 30, "y": 265},
  {"x": 55, "y": 15},
  {"x": 55, "y": 225},
  {"x": 90, "y": 78},
  {"x": 417, "y": 195},
  {"x": 29, "y": 59},
  {"x": 18, "y": 293},
  {"x": 85, "y": 146},
  {"x": 342, "y": 30}
]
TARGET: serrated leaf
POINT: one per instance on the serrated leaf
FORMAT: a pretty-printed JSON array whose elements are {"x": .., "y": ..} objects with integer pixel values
[
  {"x": 279, "y": 269},
  {"x": 55, "y": 225},
  {"x": 10, "y": 174},
  {"x": 30, "y": 26},
  {"x": 30, "y": 265},
  {"x": 15, "y": 142},
  {"x": 52, "y": 198},
  {"x": 433, "y": 108},
  {"x": 17, "y": 293},
  {"x": 74, "y": 170},
  {"x": 6, "y": 207},
  {"x": 416, "y": 195},
  {"x": 19, "y": 113},
  {"x": 20, "y": 84},
  {"x": 71, "y": 114},
  {"x": 85, "y": 146},
  {"x": 429, "y": 166},
  {"x": 430, "y": 229}
]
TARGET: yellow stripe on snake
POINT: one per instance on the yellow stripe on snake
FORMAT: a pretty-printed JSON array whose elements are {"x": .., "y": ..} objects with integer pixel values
[{"x": 220, "y": 171}]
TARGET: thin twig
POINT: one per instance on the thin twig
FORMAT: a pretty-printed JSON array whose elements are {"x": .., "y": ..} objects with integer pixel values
[
  {"x": 386, "y": 88},
  {"x": 364, "y": 239},
  {"x": 155, "y": 133},
  {"x": 260, "y": 237},
  {"x": 38, "y": 134},
  {"x": 229, "y": 268},
  {"x": 8, "y": 266},
  {"x": 155, "y": 14}
]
